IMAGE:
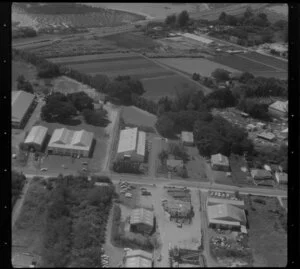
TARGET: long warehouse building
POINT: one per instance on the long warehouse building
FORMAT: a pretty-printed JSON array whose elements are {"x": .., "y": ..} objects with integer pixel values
[
  {"x": 132, "y": 145},
  {"x": 21, "y": 104},
  {"x": 68, "y": 142},
  {"x": 36, "y": 137}
]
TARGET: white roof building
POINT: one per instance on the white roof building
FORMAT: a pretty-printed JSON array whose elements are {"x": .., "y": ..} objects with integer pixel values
[
  {"x": 20, "y": 102},
  {"x": 219, "y": 159},
  {"x": 138, "y": 259},
  {"x": 36, "y": 135},
  {"x": 141, "y": 215},
  {"x": 281, "y": 178},
  {"x": 73, "y": 140},
  {"x": 226, "y": 213},
  {"x": 217, "y": 201},
  {"x": 280, "y": 106},
  {"x": 132, "y": 140},
  {"x": 187, "y": 137},
  {"x": 267, "y": 136}
]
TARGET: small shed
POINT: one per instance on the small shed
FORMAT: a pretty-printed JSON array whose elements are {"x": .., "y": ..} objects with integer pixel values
[
  {"x": 220, "y": 162},
  {"x": 281, "y": 178},
  {"x": 267, "y": 136},
  {"x": 187, "y": 138}
]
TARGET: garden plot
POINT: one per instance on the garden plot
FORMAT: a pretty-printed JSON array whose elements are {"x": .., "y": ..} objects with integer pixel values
[
  {"x": 194, "y": 65},
  {"x": 138, "y": 117},
  {"x": 196, "y": 165}
]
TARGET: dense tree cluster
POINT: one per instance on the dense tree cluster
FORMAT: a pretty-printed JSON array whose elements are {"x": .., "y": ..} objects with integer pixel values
[
  {"x": 255, "y": 110},
  {"x": 22, "y": 32},
  {"x": 219, "y": 136},
  {"x": 76, "y": 223},
  {"x": 96, "y": 118},
  {"x": 17, "y": 183},
  {"x": 24, "y": 85},
  {"x": 181, "y": 20},
  {"x": 127, "y": 166}
]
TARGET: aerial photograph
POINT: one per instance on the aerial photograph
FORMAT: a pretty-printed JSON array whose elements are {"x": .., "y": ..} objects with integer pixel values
[{"x": 149, "y": 135}]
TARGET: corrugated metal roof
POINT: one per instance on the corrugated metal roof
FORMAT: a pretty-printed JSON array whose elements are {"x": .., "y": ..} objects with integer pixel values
[
  {"x": 36, "y": 135},
  {"x": 187, "y": 137},
  {"x": 212, "y": 200},
  {"x": 21, "y": 101},
  {"x": 281, "y": 177},
  {"x": 219, "y": 159},
  {"x": 266, "y": 135},
  {"x": 280, "y": 106},
  {"x": 141, "y": 215},
  {"x": 128, "y": 140},
  {"x": 69, "y": 139},
  {"x": 139, "y": 252},
  {"x": 141, "y": 146},
  {"x": 223, "y": 211},
  {"x": 138, "y": 262}
]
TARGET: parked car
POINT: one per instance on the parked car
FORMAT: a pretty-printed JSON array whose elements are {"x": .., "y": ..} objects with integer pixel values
[
  {"x": 179, "y": 225},
  {"x": 84, "y": 169},
  {"x": 14, "y": 156},
  {"x": 84, "y": 163},
  {"x": 44, "y": 169},
  {"x": 159, "y": 258}
]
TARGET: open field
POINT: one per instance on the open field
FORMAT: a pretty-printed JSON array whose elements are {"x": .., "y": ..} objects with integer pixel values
[
  {"x": 166, "y": 86},
  {"x": 194, "y": 65},
  {"x": 132, "y": 40},
  {"x": 157, "y": 81},
  {"x": 266, "y": 232},
  {"x": 239, "y": 177},
  {"x": 260, "y": 65},
  {"x": 27, "y": 233},
  {"x": 220, "y": 177},
  {"x": 154, "y": 10},
  {"x": 135, "y": 116}
]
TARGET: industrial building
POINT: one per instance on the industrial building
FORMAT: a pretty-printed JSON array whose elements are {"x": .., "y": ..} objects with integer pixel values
[
  {"x": 36, "y": 138},
  {"x": 217, "y": 201},
  {"x": 138, "y": 259},
  {"x": 281, "y": 178},
  {"x": 142, "y": 221},
  {"x": 132, "y": 145},
  {"x": 226, "y": 216},
  {"x": 68, "y": 142},
  {"x": 278, "y": 109},
  {"x": 201, "y": 39},
  {"x": 219, "y": 162},
  {"x": 187, "y": 138},
  {"x": 21, "y": 103}
]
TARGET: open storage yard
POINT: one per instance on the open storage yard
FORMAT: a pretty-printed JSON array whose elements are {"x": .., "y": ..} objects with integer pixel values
[{"x": 267, "y": 230}]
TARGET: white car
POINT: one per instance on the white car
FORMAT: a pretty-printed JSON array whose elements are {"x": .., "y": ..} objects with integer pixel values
[
  {"x": 44, "y": 169},
  {"x": 84, "y": 169},
  {"x": 14, "y": 156}
]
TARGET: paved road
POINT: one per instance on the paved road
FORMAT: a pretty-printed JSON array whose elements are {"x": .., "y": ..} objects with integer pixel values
[{"x": 156, "y": 146}]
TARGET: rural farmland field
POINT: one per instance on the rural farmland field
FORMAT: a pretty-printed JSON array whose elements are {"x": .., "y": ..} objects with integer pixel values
[
  {"x": 157, "y": 81},
  {"x": 191, "y": 65}
]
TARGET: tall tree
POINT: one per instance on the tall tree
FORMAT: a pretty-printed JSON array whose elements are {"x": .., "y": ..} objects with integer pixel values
[
  {"x": 183, "y": 18},
  {"x": 170, "y": 20}
]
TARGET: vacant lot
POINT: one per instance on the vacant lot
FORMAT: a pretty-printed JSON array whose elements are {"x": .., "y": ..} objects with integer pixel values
[
  {"x": 27, "y": 233},
  {"x": 196, "y": 165},
  {"x": 239, "y": 177},
  {"x": 221, "y": 177},
  {"x": 194, "y": 65},
  {"x": 266, "y": 232}
]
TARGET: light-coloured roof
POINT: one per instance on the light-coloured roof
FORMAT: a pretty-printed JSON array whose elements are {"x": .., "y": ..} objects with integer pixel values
[
  {"x": 139, "y": 252},
  {"x": 219, "y": 159},
  {"x": 36, "y": 135},
  {"x": 281, "y": 177},
  {"x": 20, "y": 103},
  {"x": 69, "y": 139},
  {"x": 224, "y": 222},
  {"x": 280, "y": 106},
  {"x": 212, "y": 200},
  {"x": 226, "y": 212},
  {"x": 176, "y": 205},
  {"x": 266, "y": 135},
  {"x": 174, "y": 163},
  {"x": 141, "y": 215},
  {"x": 128, "y": 140},
  {"x": 198, "y": 38},
  {"x": 260, "y": 173},
  {"x": 138, "y": 262},
  {"x": 285, "y": 130},
  {"x": 141, "y": 146},
  {"x": 187, "y": 137}
]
